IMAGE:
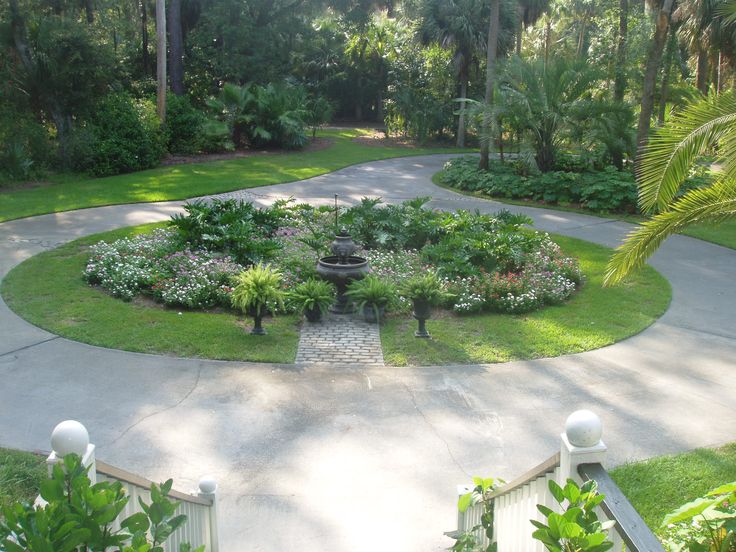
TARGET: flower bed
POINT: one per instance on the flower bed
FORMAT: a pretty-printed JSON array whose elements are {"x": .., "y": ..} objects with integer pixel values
[{"x": 486, "y": 263}]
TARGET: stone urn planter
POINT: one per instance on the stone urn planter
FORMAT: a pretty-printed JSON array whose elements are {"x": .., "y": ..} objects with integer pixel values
[
  {"x": 422, "y": 312},
  {"x": 313, "y": 315},
  {"x": 373, "y": 314},
  {"x": 257, "y": 321}
]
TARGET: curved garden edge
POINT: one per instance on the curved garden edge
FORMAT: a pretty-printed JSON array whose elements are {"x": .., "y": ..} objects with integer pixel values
[
  {"x": 723, "y": 234},
  {"x": 47, "y": 290}
]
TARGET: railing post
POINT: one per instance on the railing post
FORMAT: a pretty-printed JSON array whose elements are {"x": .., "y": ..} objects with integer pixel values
[
  {"x": 72, "y": 437},
  {"x": 208, "y": 489},
  {"x": 581, "y": 444}
]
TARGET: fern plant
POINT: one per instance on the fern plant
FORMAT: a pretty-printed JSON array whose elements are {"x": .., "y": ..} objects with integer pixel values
[{"x": 258, "y": 291}]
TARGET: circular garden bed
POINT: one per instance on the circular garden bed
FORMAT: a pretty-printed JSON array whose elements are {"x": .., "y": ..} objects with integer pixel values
[{"x": 509, "y": 293}]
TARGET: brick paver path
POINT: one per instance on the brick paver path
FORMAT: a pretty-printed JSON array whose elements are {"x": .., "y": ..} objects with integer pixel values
[{"x": 340, "y": 339}]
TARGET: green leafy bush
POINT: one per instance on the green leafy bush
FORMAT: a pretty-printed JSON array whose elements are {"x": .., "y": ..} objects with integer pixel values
[
  {"x": 259, "y": 116},
  {"x": 607, "y": 190},
  {"x": 313, "y": 294},
  {"x": 577, "y": 528},
  {"x": 122, "y": 136},
  {"x": 233, "y": 227},
  {"x": 183, "y": 125},
  {"x": 81, "y": 516},
  {"x": 372, "y": 292},
  {"x": 258, "y": 290}
]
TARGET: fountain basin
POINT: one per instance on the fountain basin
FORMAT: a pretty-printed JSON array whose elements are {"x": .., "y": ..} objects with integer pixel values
[{"x": 341, "y": 271}]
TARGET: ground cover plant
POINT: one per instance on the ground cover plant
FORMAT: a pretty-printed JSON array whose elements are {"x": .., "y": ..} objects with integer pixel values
[{"x": 521, "y": 271}]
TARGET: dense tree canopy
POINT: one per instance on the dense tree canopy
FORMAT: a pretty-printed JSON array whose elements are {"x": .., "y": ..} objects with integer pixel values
[{"x": 402, "y": 64}]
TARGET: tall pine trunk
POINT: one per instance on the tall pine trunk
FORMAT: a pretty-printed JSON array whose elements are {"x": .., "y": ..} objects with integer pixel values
[
  {"x": 619, "y": 85},
  {"x": 485, "y": 142},
  {"x": 650, "y": 75},
  {"x": 666, "y": 70},
  {"x": 461, "y": 118},
  {"x": 144, "y": 38},
  {"x": 161, "y": 58},
  {"x": 176, "y": 48}
]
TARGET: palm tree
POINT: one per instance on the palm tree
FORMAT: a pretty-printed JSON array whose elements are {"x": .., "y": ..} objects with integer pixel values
[
  {"x": 544, "y": 100},
  {"x": 457, "y": 24},
  {"x": 664, "y": 165}
]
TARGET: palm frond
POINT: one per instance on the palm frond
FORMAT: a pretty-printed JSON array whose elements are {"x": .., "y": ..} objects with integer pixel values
[
  {"x": 712, "y": 204},
  {"x": 675, "y": 147}
]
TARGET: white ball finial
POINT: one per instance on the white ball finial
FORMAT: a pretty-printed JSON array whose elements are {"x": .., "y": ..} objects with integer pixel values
[
  {"x": 69, "y": 436},
  {"x": 207, "y": 485},
  {"x": 583, "y": 428}
]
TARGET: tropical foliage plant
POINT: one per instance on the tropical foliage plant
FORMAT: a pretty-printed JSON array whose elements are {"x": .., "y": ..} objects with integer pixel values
[
  {"x": 479, "y": 495},
  {"x": 373, "y": 293},
  {"x": 577, "y": 528},
  {"x": 81, "y": 516},
  {"x": 704, "y": 126},
  {"x": 706, "y": 524},
  {"x": 313, "y": 294}
]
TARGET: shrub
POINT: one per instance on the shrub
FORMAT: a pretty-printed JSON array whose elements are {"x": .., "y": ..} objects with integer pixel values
[
  {"x": 258, "y": 290},
  {"x": 81, "y": 516},
  {"x": 183, "y": 125},
  {"x": 608, "y": 190},
  {"x": 232, "y": 227},
  {"x": 122, "y": 136}
]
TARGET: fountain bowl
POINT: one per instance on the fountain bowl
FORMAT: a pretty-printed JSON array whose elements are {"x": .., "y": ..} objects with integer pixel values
[{"x": 341, "y": 274}]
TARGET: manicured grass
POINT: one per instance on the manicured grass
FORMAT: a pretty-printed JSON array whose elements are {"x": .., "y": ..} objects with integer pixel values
[
  {"x": 723, "y": 233},
  {"x": 48, "y": 291},
  {"x": 185, "y": 181},
  {"x": 594, "y": 317},
  {"x": 657, "y": 486},
  {"x": 21, "y": 474}
]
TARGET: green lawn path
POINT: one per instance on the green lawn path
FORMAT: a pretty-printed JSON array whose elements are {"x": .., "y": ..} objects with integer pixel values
[
  {"x": 67, "y": 192},
  {"x": 48, "y": 291}
]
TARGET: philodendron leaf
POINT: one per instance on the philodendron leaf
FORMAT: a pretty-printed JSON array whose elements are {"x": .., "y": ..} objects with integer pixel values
[
  {"x": 723, "y": 489},
  {"x": 687, "y": 511},
  {"x": 464, "y": 502},
  {"x": 556, "y": 491}
]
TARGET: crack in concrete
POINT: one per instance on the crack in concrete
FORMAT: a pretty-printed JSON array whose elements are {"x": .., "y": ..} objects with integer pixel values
[
  {"x": 30, "y": 346},
  {"x": 160, "y": 411},
  {"x": 434, "y": 429}
]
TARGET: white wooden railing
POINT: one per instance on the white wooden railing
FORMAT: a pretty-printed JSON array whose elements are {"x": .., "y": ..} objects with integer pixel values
[
  {"x": 582, "y": 457},
  {"x": 200, "y": 527}
]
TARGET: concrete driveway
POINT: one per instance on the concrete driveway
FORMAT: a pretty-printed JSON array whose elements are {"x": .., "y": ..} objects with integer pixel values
[{"x": 363, "y": 458}]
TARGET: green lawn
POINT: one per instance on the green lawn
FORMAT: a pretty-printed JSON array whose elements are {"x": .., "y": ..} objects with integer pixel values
[
  {"x": 65, "y": 192},
  {"x": 657, "y": 486},
  {"x": 48, "y": 291},
  {"x": 593, "y": 318},
  {"x": 723, "y": 233},
  {"x": 21, "y": 474}
]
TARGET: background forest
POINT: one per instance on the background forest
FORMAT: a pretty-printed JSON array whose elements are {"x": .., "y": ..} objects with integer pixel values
[{"x": 78, "y": 77}]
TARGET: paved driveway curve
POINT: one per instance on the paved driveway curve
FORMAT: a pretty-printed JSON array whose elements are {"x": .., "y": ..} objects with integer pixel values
[{"x": 362, "y": 459}]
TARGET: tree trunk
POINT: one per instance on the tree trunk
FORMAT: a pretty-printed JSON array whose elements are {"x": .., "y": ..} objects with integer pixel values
[
  {"x": 547, "y": 39},
  {"x": 461, "y": 118},
  {"x": 89, "y": 11},
  {"x": 701, "y": 78},
  {"x": 650, "y": 75},
  {"x": 176, "y": 48},
  {"x": 664, "y": 90},
  {"x": 619, "y": 85},
  {"x": 144, "y": 38},
  {"x": 581, "y": 35},
  {"x": 161, "y": 58},
  {"x": 485, "y": 139},
  {"x": 519, "y": 28}
]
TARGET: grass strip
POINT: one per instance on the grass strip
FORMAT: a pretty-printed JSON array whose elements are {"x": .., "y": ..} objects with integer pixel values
[
  {"x": 594, "y": 317},
  {"x": 659, "y": 485},
  {"x": 21, "y": 474},
  {"x": 48, "y": 290},
  {"x": 68, "y": 192}
]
